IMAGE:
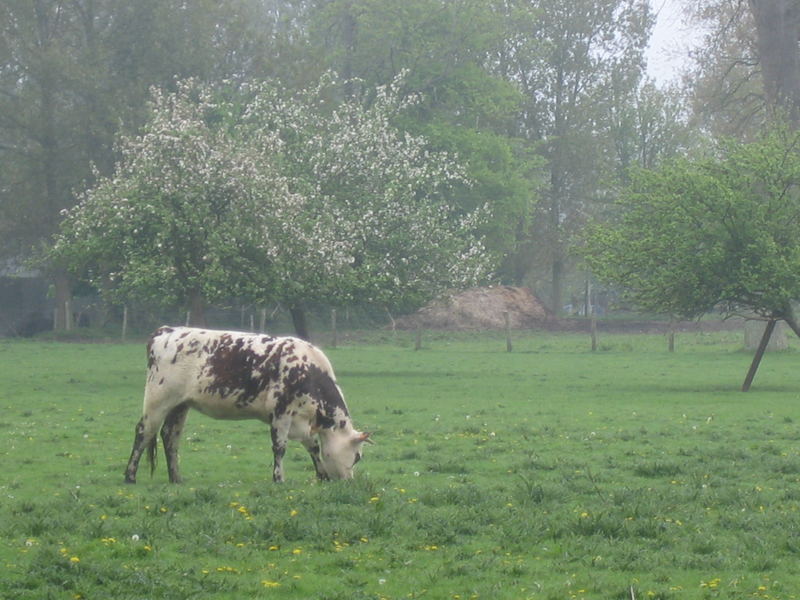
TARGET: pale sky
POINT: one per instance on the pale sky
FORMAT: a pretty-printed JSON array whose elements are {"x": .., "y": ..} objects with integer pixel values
[{"x": 669, "y": 41}]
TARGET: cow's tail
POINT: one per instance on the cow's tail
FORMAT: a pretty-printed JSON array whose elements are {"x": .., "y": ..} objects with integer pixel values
[{"x": 152, "y": 452}]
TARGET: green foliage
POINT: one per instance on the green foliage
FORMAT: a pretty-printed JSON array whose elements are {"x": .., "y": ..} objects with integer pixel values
[
  {"x": 713, "y": 232},
  {"x": 76, "y": 74},
  {"x": 446, "y": 50},
  {"x": 549, "y": 472}
]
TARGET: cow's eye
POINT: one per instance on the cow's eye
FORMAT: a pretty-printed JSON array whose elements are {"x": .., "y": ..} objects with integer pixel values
[{"x": 358, "y": 458}]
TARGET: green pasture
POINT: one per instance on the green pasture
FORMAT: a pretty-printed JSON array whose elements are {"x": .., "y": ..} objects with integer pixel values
[{"x": 551, "y": 472}]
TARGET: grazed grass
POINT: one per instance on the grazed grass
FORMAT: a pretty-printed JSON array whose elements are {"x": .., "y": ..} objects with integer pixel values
[{"x": 551, "y": 472}]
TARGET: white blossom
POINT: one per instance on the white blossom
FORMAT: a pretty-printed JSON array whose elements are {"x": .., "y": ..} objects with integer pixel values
[{"x": 275, "y": 195}]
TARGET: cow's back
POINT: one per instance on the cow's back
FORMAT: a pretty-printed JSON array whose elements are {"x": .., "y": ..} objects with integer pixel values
[{"x": 230, "y": 374}]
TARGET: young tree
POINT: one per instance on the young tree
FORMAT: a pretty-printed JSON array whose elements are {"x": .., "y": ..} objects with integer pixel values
[{"x": 715, "y": 233}]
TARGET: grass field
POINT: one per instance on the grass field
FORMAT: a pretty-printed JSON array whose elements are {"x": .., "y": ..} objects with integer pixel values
[{"x": 551, "y": 472}]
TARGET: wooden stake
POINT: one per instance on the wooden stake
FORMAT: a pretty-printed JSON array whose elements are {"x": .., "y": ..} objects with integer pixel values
[
  {"x": 509, "y": 347},
  {"x": 762, "y": 347},
  {"x": 333, "y": 328},
  {"x": 67, "y": 316},
  {"x": 671, "y": 337}
]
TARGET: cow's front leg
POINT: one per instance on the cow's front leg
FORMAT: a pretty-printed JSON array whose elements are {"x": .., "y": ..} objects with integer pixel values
[
  {"x": 280, "y": 437},
  {"x": 312, "y": 445},
  {"x": 171, "y": 434}
]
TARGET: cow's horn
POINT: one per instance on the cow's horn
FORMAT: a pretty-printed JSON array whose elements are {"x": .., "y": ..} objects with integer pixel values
[{"x": 364, "y": 437}]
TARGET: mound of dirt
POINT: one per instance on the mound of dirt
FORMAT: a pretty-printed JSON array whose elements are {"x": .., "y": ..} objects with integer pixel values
[{"x": 480, "y": 308}]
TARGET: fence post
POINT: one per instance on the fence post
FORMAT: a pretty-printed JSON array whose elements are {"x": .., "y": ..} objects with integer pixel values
[
  {"x": 509, "y": 346},
  {"x": 333, "y": 328},
  {"x": 124, "y": 322},
  {"x": 671, "y": 339},
  {"x": 418, "y": 342},
  {"x": 67, "y": 316}
]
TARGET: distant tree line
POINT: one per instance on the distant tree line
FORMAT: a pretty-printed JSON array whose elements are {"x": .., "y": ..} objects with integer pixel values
[{"x": 523, "y": 119}]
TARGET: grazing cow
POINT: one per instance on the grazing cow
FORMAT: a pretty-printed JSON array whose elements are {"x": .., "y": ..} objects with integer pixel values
[{"x": 283, "y": 381}]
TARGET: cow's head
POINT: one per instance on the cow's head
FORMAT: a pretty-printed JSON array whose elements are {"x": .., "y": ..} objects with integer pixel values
[{"x": 340, "y": 451}]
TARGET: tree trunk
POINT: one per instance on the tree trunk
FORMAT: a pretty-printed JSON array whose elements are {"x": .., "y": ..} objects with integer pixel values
[
  {"x": 349, "y": 31},
  {"x": 557, "y": 293},
  {"x": 762, "y": 347},
  {"x": 299, "y": 320},
  {"x": 63, "y": 298},
  {"x": 777, "y": 29},
  {"x": 791, "y": 321}
]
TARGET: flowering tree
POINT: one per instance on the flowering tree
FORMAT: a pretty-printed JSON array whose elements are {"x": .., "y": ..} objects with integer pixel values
[
  {"x": 189, "y": 216},
  {"x": 261, "y": 194},
  {"x": 378, "y": 191}
]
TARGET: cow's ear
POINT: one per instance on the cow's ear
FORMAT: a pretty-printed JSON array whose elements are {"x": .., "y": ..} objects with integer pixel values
[{"x": 321, "y": 422}]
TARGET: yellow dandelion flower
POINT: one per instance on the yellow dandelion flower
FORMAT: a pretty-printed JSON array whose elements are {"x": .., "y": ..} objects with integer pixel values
[
  {"x": 74, "y": 559},
  {"x": 270, "y": 584},
  {"x": 297, "y": 551}
]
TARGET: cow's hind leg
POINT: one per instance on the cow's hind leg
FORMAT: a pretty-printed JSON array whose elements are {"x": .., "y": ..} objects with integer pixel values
[
  {"x": 312, "y": 445},
  {"x": 143, "y": 438},
  {"x": 171, "y": 434}
]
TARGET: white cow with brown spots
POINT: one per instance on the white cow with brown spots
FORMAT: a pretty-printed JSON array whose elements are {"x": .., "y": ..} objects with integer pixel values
[{"x": 283, "y": 381}]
